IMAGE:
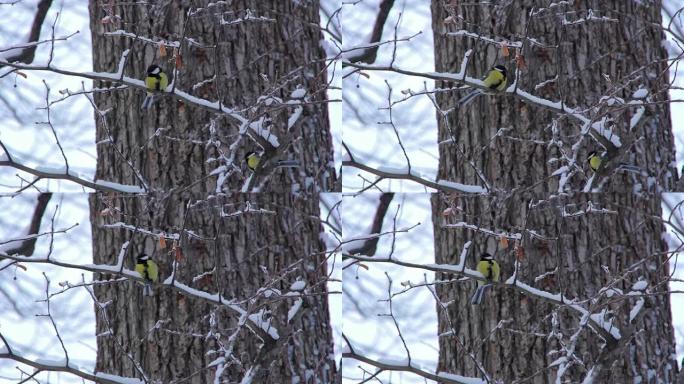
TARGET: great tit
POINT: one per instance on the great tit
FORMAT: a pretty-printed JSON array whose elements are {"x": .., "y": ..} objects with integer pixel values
[
  {"x": 253, "y": 159},
  {"x": 594, "y": 161},
  {"x": 148, "y": 270},
  {"x": 602, "y": 163},
  {"x": 155, "y": 81},
  {"x": 491, "y": 270},
  {"x": 495, "y": 80}
]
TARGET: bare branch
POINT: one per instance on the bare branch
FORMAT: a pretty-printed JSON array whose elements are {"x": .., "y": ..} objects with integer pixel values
[
  {"x": 27, "y": 54},
  {"x": 370, "y": 54},
  {"x": 27, "y": 246}
]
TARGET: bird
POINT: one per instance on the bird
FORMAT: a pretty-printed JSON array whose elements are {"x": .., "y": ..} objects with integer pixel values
[
  {"x": 155, "y": 81},
  {"x": 491, "y": 270},
  {"x": 495, "y": 80},
  {"x": 253, "y": 159},
  {"x": 594, "y": 161},
  {"x": 148, "y": 270},
  {"x": 601, "y": 163}
]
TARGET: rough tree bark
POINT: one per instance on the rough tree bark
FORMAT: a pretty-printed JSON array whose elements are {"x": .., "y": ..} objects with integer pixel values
[
  {"x": 230, "y": 252},
  {"x": 582, "y": 253},
  {"x": 222, "y": 250},
  {"x": 252, "y": 59}
]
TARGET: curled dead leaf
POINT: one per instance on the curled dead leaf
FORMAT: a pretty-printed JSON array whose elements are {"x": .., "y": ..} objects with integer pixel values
[
  {"x": 503, "y": 240},
  {"x": 162, "y": 50},
  {"x": 179, "y": 58},
  {"x": 162, "y": 242},
  {"x": 504, "y": 49},
  {"x": 520, "y": 62}
]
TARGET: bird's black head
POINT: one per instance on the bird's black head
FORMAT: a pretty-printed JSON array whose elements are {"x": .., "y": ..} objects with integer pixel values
[
  {"x": 153, "y": 69},
  {"x": 486, "y": 256},
  {"x": 142, "y": 258},
  {"x": 500, "y": 68},
  {"x": 249, "y": 154}
]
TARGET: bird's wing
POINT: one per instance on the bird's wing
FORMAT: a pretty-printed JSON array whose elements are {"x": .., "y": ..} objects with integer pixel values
[
  {"x": 163, "y": 81},
  {"x": 140, "y": 269},
  {"x": 152, "y": 270},
  {"x": 493, "y": 79}
]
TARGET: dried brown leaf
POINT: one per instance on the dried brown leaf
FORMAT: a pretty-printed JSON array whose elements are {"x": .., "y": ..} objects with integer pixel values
[
  {"x": 520, "y": 62},
  {"x": 504, "y": 49}
]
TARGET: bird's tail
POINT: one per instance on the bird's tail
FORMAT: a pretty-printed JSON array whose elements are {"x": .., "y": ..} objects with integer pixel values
[
  {"x": 147, "y": 290},
  {"x": 287, "y": 163},
  {"x": 469, "y": 97},
  {"x": 478, "y": 296},
  {"x": 629, "y": 168},
  {"x": 147, "y": 103}
]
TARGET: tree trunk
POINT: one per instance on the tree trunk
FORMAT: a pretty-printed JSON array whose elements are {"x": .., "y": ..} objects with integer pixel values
[
  {"x": 174, "y": 145},
  {"x": 228, "y": 244},
  {"x": 227, "y": 250},
  {"x": 579, "y": 254}
]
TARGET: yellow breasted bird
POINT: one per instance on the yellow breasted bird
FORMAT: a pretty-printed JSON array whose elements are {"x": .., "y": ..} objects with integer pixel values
[
  {"x": 604, "y": 164},
  {"x": 253, "y": 159},
  {"x": 148, "y": 270},
  {"x": 495, "y": 80},
  {"x": 594, "y": 160},
  {"x": 155, "y": 81},
  {"x": 491, "y": 270}
]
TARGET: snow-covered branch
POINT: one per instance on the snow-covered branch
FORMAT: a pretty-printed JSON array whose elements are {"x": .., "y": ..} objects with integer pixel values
[
  {"x": 42, "y": 172},
  {"x": 512, "y": 90},
  {"x": 6, "y": 352},
  {"x": 214, "y": 106},
  {"x": 262, "y": 328},
  {"x": 404, "y": 366},
  {"x": 605, "y": 329},
  {"x": 404, "y": 174}
]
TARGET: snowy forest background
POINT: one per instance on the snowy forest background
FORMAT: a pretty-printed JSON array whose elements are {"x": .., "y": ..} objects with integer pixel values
[{"x": 357, "y": 309}]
